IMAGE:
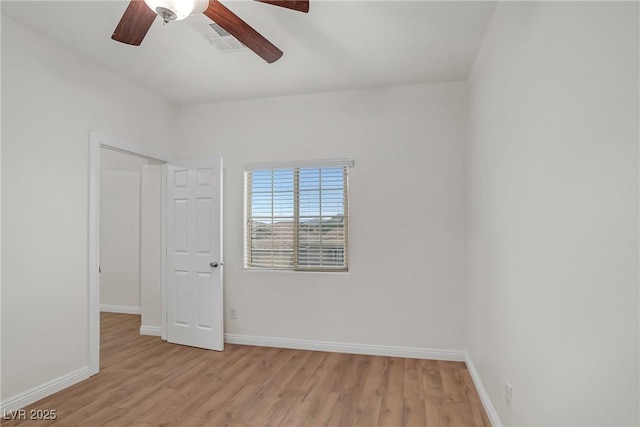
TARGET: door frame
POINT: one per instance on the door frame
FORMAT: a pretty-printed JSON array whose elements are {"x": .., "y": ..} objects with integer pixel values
[{"x": 96, "y": 142}]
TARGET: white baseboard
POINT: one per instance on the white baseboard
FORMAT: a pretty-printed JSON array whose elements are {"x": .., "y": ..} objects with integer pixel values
[
  {"x": 484, "y": 397},
  {"x": 340, "y": 347},
  {"x": 155, "y": 331},
  {"x": 124, "y": 309},
  {"x": 40, "y": 392}
]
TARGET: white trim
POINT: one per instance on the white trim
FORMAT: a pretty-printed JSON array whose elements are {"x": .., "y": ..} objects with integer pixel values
[
  {"x": 163, "y": 252},
  {"x": 40, "y": 392},
  {"x": 124, "y": 309},
  {"x": 155, "y": 331},
  {"x": 96, "y": 142},
  {"x": 299, "y": 164},
  {"x": 124, "y": 147},
  {"x": 482, "y": 392},
  {"x": 221, "y": 245},
  {"x": 341, "y": 347},
  {"x": 94, "y": 254}
]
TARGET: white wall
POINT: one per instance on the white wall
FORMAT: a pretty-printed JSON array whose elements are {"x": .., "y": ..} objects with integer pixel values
[
  {"x": 553, "y": 212},
  {"x": 120, "y": 185},
  {"x": 51, "y": 98},
  {"x": 406, "y": 282},
  {"x": 151, "y": 246}
]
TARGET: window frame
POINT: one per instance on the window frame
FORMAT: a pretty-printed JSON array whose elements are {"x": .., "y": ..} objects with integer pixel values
[{"x": 248, "y": 246}]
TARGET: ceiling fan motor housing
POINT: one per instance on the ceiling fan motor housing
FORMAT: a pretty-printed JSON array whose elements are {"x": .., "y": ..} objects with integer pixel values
[{"x": 175, "y": 10}]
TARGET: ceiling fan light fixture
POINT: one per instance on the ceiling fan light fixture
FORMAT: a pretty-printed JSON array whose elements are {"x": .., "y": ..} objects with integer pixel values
[{"x": 175, "y": 10}]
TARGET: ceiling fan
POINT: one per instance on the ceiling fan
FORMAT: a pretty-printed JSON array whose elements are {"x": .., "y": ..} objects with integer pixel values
[{"x": 140, "y": 14}]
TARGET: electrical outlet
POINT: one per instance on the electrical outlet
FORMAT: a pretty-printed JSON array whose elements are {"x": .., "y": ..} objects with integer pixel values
[
  {"x": 233, "y": 313},
  {"x": 508, "y": 394}
]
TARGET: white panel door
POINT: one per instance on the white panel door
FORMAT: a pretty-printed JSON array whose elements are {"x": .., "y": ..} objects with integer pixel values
[{"x": 194, "y": 254}]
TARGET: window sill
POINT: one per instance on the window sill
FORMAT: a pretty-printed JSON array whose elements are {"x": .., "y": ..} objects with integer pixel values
[{"x": 265, "y": 270}]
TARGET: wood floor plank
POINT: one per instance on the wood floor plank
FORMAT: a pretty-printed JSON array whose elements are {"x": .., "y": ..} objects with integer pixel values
[
  {"x": 437, "y": 412},
  {"x": 343, "y": 413},
  {"x": 244, "y": 368},
  {"x": 367, "y": 411},
  {"x": 146, "y": 382},
  {"x": 356, "y": 377},
  {"x": 343, "y": 368},
  {"x": 217, "y": 401},
  {"x": 394, "y": 380},
  {"x": 323, "y": 379},
  {"x": 374, "y": 384},
  {"x": 432, "y": 380},
  {"x": 271, "y": 360},
  {"x": 452, "y": 381},
  {"x": 223, "y": 361},
  {"x": 256, "y": 408},
  {"x": 146, "y": 411},
  {"x": 178, "y": 403},
  {"x": 193, "y": 422},
  {"x": 413, "y": 385},
  {"x": 283, "y": 374},
  {"x": 233, "y": 407},
  {"x": 306, "y": 371},
  {"x": 391, "y": 411},
  {"x": 414, "y": 413},
  {"x": 299, "y": 412},
  {"x": 324, "y": 410},
  {"x": 460, "y": 414},
  {"x": 279, "y": 408}
]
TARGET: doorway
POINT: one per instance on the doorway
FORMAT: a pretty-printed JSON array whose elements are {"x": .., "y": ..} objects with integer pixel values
[
  {"x": 130, "y": 246},
  {"x": 120, "y": 235},
  {"x": 191, "y": 259},
  {"x": 148, "y": 267}
]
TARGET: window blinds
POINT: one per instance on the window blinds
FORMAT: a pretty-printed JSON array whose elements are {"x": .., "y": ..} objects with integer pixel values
[{"x": 297, "y": 217}]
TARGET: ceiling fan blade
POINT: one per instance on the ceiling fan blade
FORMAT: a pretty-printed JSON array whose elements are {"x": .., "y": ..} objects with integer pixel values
[
  {"x": 134, "y": 24},
  {"x": 239, "y": 29},
  {"x": 299, "y": 5}
]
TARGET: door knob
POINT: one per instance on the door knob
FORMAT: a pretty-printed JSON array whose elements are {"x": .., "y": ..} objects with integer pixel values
[{"x": 215, "y": 264}]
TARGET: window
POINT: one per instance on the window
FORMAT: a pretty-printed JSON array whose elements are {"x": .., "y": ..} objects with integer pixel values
[{"x": 297, "y": 216}]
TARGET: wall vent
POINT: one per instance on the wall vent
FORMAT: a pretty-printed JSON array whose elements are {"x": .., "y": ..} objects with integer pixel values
[{"x": 218, "y": 36}]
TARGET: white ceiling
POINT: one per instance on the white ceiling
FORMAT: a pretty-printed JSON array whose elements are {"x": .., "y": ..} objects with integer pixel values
[{"x": 339, "y": 45}]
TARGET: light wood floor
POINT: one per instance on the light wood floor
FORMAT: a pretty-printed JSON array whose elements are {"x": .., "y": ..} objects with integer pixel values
[{"x": 144, "y": 381}]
